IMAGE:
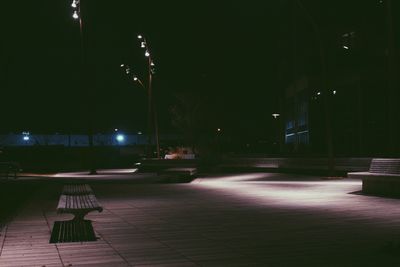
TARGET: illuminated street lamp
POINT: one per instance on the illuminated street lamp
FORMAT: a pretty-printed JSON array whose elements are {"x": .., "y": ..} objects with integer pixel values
[
  {"x": 77, "y": 15},
  {"x": 151, "y": 107},
  {"x": 139, "y": 81},
  {"x": 26, "y": 136},
  {"x": 120, "y": 138},
  {"x": 151, "y": 70},
  {"x": 275, "y": 115},
  {"x": 75, "y": 4}
]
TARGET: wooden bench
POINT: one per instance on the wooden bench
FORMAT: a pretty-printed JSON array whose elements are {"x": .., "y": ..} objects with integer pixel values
[
  {"x": 77, "y": 189},
  {"x": 8, "y": 169},
  {"x": 78, "y": 204},
  {"x": 383, "y": 177},
  {"x": 79, "y": 200}
]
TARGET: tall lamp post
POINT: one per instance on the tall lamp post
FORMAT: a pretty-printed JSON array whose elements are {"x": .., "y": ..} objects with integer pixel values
[
  {"x": 151, "y": 70},
  {"x": 139, "y": 81},
  {"x": 77, "y": 15}
]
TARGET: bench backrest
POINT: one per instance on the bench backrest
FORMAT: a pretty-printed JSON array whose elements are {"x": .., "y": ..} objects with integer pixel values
[
  {"x": 387, "y": 166},
  {"x": 77, "y": 189}
]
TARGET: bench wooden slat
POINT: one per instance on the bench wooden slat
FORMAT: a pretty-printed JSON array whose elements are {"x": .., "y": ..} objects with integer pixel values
[
  {"x": 383, "y": 177},
  {"x": 79, "y": 205},
  {"x": 77, "y": 189},
  {"x": 391, "y": 166}
]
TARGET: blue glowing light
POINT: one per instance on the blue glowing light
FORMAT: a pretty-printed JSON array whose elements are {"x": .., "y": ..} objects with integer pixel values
[
  {"x": 120, "y": 138},
  {"x": 26, "y": 138}
]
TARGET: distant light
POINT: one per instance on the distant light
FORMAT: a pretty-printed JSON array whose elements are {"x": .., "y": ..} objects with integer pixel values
[
  {"x": 74, "y": 4},
  {"x": 334, "y": 92},
  {"x": 319, "y": 93},
  {"x": 122, "y": 65},
  {"x": 275, "y": 115},
  {"x": 147, "y": 54},
  {"x": 120, "y": 138},
  {"x": 152, "y": 64},
  {"x": 115, "y": 130},
  {"x": 139, "y": 36},
  {"x": 127, "y": 70},
  {"x": 219, "y": 129},
  {"x": 139, "y": 133},
  {"x": 143, "y": 45},
  {"x": 26, "y": 138},
  {"x": 135, "y": 78},
  {"x": 75, "y": 15},
  {"x": 346, "y": 47}
]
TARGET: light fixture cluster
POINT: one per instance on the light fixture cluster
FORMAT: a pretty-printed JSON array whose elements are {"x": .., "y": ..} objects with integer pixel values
[
  {"x": 26, "y": 136},
  {"x": 144, "y": 45},
  {"x": 76, "y": 9},
  {"x": 128, "y": 71},
  {"x": 319, "y": 94}
]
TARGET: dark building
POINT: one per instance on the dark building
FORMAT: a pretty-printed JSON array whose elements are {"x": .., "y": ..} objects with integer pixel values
[{"x": 338, "y": 72}]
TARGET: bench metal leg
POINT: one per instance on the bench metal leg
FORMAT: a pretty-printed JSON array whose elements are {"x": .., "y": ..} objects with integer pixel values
[{"x": 79, "y": 216}]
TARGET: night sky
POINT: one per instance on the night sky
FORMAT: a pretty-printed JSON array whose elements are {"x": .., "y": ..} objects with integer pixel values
[
  {"x": 227, "y": 52},
  {"x": 223, "y": 50}
]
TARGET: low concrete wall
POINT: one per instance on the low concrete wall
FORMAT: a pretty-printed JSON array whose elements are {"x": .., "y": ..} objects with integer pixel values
[
  {"x": 340, "y": 164},
  {"x": 242, "y": 164}
]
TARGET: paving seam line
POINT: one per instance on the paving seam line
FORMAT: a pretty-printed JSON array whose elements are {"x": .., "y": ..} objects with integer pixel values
[
  {"x": 3, "y": 239},
  {"x": 58, "y": 251}
]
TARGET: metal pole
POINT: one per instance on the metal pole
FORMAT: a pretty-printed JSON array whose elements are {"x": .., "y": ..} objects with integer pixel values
[
  {"x": 153, "y": 107},
  {"x": 84, "y": 82},
  {"x": 149, "y": 92},
  {"x": 156, "y": 129}
]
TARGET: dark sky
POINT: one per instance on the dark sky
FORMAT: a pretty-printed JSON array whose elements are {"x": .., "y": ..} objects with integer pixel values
[
  {"x": 228, "y": 51},
  {"x": 223, "y": 49}
]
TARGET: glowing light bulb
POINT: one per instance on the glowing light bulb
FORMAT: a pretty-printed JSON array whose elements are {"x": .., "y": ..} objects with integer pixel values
[{"x": 75, "y": 15}]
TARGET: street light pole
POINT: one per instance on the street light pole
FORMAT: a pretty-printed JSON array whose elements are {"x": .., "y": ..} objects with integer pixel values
[
  {"x": 149, "y": 112},
  {"x": 151, "y": 106},
  {"x": 139, "y": 81},
  {"x": 77, "y": 15}
]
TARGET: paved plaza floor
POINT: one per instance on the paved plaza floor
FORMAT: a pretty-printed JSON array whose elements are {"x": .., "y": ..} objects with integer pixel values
[{"x": 252, "y": 219}]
